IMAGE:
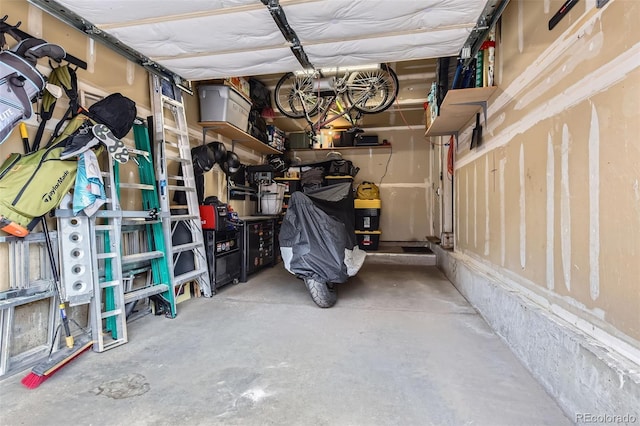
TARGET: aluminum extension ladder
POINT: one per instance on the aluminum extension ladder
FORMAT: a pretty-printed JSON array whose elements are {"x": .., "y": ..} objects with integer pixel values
[
  {"x": 172, "y": 145},
  {"x": 108, "y": 313}
]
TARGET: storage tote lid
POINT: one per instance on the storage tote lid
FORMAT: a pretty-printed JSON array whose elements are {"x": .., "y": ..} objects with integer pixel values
[
  {"x": 285, "y": 179},
  {"x": 367, "y": 204}
]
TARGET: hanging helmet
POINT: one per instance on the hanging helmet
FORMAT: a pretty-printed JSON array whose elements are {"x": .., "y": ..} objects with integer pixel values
[
  {"x": 219, "y": 151},
  {"x": 231, "y": 164},
  {"x": 203, "y": 159}
]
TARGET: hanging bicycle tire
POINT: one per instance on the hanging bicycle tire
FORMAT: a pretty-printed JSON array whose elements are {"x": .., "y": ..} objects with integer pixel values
[
  {"x": 373, "y": 91},
  {"x": 295, "y": 97}
]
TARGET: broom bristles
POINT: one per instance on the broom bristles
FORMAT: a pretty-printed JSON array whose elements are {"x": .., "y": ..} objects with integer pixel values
[
  {"x": 32, "y": 380},
  {"x": 39, "y": 374}
]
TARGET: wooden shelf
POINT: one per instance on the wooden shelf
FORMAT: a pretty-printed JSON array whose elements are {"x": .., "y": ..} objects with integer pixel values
[
  {"x": 238, "y": 136},
  {"x": 342, "y": 148},
  {"x": 458, "y": 108}
]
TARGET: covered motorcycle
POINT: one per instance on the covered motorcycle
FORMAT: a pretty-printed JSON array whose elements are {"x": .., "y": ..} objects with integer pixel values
[{"x": 317, "y": 240}]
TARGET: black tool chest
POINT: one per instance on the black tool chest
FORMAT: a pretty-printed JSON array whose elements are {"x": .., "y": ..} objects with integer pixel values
[
  {"x": 224, "y": 256},
  {"x": 258, "y": 244}
]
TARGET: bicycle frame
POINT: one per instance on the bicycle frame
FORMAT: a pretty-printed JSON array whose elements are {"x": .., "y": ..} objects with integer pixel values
[
  {"x": 346, "y": 94},
  {"x": 324, "y": 119},
  {"x": 327, "y": 101}
]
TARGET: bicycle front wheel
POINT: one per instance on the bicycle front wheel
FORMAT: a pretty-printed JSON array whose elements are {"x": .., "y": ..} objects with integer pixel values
[
  {"x": 372, "y": 91},
  {"x": 295, "y": 97}
]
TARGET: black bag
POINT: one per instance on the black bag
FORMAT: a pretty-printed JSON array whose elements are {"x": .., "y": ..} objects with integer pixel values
[
  {"x": 258, "y": 126},
  {"x": 116, "y": 111},
  {"x": 312, "y": 178},
  {"x": 260, "y": 95},
  {"x": 342, "y": 168}
]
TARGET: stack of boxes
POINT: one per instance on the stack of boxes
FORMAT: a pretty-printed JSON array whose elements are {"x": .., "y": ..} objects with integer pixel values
[
  {"x": 368, "y": 223},
  {"x": 276, "y": 137}
]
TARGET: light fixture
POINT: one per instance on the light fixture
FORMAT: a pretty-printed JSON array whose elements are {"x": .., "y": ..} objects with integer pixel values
[
  {"x": 336, "y": 70},
  {"x": 327, "y": 71}
]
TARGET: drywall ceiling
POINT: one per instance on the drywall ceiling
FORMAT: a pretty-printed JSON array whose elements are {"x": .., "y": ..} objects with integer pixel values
[{"x": 201, "y": 40}]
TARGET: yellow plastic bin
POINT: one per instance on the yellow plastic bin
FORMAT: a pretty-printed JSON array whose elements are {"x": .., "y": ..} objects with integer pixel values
[{"x": 334, "y": 180}]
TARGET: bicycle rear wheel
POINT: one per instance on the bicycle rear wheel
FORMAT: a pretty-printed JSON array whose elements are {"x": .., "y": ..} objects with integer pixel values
[
  {"x": 372, "y": 91},
  {"x": 295, "y": 97}
]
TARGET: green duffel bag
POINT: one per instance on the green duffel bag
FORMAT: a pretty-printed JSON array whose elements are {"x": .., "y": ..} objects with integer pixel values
[{"x": 33, "y": 184}]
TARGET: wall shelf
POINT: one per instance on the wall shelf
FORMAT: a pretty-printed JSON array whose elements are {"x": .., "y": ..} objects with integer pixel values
[
  {"x": 237, "y": 136},
  {"x": 458, "y": 108},
  {"x": 342, "y": 148}
]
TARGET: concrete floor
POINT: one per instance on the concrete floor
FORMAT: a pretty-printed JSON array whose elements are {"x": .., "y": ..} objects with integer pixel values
[{"x": 401, "y": 347}]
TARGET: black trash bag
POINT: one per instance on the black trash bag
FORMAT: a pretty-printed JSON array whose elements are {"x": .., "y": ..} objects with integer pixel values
[{"x": 315, "y": 232}]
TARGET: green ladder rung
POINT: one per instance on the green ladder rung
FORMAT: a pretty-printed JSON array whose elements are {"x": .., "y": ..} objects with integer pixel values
[
  {"x": 157, "y": 253},
  {"x": 150, "y": 200},
  {"x": 145, "y": 292}
]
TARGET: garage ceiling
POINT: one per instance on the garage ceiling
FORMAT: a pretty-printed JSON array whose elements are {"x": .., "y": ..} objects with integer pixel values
[{"x": 210, "y": 39}]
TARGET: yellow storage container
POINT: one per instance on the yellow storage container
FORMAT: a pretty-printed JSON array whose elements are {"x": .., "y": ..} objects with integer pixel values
[
  {"x": 333, "y": 180},
  {"x": 367, "y": 204}
]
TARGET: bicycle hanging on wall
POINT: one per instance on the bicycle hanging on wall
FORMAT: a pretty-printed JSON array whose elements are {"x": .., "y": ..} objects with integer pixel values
[{"x": 333, "y": 94}]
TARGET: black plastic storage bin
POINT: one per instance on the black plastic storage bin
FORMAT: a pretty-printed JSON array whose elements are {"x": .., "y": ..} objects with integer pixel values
[
  {"x": 368, "y": 240},
  {"x": 343, "y": 139},
  {"x": 299, "y": 141},
  {"x": 367, "y": 214},
  {"x": 367, "y": 219}
]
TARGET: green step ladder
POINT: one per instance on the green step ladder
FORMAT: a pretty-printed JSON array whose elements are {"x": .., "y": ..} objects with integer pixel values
[
  {"x": 154, "y": 230},
  {"x": 158, "y": 287}
]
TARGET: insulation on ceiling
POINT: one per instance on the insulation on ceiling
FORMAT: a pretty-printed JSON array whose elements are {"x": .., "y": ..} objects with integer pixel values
[{"x": 201, "y": 40}]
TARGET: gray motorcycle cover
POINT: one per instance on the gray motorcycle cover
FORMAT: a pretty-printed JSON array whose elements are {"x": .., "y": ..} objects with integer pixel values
[{"x": 317, "y": 232}]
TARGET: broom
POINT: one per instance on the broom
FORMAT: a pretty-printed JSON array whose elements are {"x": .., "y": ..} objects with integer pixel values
[{"x": 59, "y": 359}]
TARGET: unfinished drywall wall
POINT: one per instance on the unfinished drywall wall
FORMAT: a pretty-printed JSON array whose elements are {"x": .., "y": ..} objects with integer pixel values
[
  {"x": 551, "y": 198},
  {"x": 402, "y": 172}
]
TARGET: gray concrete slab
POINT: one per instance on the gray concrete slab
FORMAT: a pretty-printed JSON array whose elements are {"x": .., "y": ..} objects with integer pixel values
[{"x": 401, "y": 347}]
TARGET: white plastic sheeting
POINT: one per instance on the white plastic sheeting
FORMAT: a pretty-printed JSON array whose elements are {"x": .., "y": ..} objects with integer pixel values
[{"x": 200, "y": 39}]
